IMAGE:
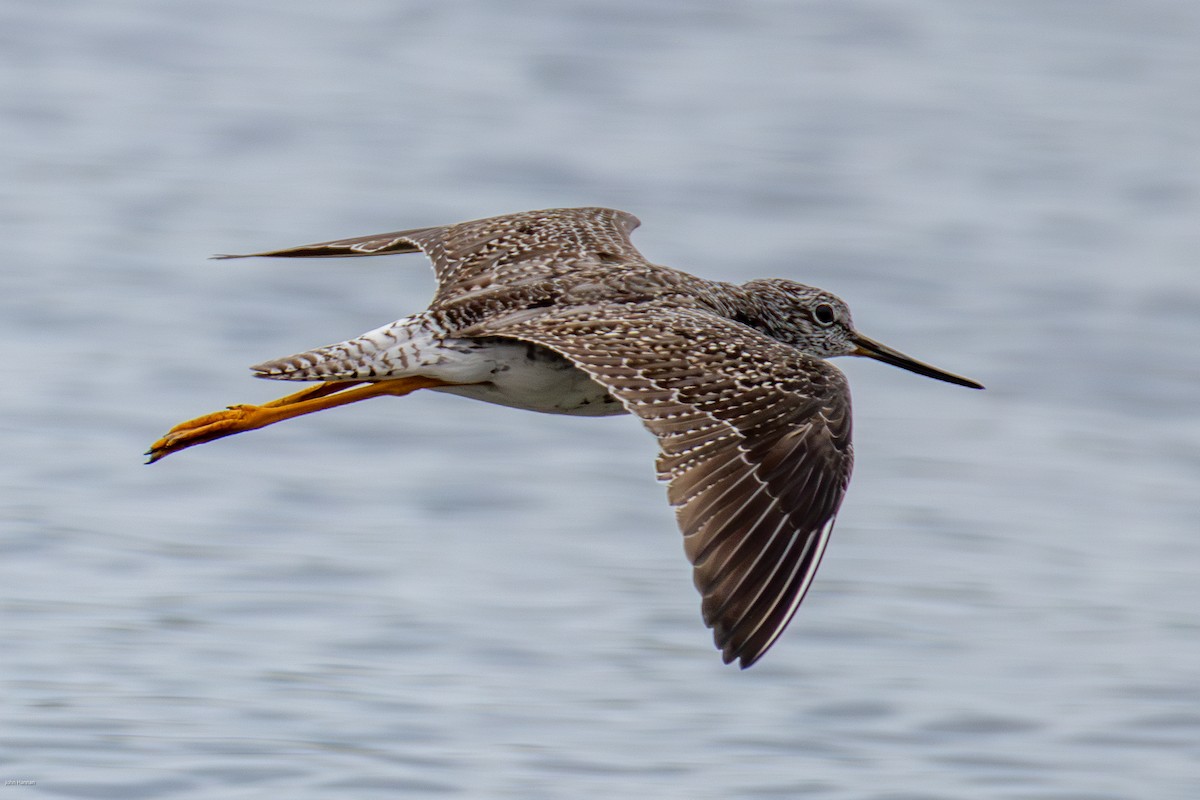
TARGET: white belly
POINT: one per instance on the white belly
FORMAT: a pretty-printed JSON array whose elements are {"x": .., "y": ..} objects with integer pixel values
[{"x": 521, "y": 375}]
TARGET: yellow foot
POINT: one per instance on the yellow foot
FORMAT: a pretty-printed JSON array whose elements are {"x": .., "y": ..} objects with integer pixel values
[{"x": 207, "y": 428}]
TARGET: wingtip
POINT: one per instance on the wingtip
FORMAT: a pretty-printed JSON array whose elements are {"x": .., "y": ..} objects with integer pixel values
[{"x": 745, "y": 660}]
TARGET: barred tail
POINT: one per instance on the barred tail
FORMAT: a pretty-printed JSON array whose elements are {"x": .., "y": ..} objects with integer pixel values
[{"x": 382, "y": 353}]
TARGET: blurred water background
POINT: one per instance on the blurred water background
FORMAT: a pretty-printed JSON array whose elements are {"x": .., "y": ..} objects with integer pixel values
[{"x": 431, "y": 597}]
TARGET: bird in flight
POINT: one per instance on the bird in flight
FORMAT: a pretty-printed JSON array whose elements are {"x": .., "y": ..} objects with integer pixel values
[{"x": 556, "y": 311}]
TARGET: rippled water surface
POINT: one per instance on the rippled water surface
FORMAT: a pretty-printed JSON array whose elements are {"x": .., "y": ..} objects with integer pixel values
[{"x": 431, "y": 597}]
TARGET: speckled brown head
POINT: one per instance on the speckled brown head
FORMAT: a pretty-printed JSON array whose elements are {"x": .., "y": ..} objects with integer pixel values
[{"x": 819, "y": 323}]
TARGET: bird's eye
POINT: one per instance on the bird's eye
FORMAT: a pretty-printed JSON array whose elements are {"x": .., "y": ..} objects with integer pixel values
[{"x": 824, "y": 314}]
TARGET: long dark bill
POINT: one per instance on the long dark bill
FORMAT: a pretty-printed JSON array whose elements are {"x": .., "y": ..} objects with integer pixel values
[{"x": 880, "y": 352}]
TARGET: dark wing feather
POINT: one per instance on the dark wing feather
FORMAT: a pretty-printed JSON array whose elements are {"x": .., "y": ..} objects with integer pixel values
[
  {"x": 469, "y": 256},
  {"x": 376, "y": 244},
  {"x": 755, "y": 440}
]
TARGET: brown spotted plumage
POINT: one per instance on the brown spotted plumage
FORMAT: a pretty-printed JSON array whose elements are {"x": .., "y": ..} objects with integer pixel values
[{"x": 556, "y": 311}]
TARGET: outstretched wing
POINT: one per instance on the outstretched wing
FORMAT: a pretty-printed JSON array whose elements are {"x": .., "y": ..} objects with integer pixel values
[
  {"x": 532, "y": 245},
  {"x": 755, "y": 440}
]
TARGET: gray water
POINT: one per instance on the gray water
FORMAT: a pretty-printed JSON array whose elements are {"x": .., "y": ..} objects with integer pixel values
[{"x": 430, "y": 597}]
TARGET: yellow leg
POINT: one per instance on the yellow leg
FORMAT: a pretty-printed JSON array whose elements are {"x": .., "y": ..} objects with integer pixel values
[
  {"x": 311, "y": 393},
  {"x": 239, "y": 418}
]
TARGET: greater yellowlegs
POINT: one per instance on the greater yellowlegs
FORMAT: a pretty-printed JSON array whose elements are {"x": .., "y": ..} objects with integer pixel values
[{"x": 556, "y": 311}]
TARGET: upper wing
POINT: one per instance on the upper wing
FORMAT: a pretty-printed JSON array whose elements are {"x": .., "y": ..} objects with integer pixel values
[
  {"x": 755, "y": 440},
  {"x": 498, "y": 250}
]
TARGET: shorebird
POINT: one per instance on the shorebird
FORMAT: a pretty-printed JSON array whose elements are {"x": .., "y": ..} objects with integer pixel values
[{"x": 556, "y": 311}]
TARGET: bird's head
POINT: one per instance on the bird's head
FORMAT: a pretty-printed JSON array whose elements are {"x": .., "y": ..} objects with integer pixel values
[{"x": 819, "y": 323}]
